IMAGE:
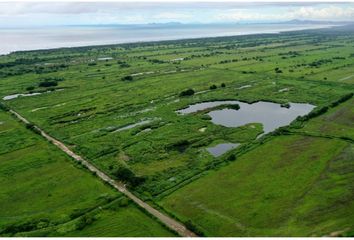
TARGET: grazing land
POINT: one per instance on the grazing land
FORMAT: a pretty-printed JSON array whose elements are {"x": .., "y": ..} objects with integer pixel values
[
  {"x": 117, "y": 106},
  {"x": 289, "y": 186},
  {"x": 44, "y": 192}
]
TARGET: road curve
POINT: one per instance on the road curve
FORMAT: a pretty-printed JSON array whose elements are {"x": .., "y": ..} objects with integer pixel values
[{"x": 168, "y": 221}]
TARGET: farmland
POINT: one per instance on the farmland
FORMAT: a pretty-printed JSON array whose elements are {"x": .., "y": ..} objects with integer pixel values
[{"x": 116, "y": 106}]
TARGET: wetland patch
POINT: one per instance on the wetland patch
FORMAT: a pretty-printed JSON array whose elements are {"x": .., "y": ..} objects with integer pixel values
[{"x": 270, "y": 115}]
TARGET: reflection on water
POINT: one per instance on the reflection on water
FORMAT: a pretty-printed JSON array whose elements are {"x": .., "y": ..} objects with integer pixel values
[
  {"x": 221, "y": 148},
  {"x": 13, "y": 96},
  {"x": 270, "y": 115},
  {"x": 133, "y": 125}
]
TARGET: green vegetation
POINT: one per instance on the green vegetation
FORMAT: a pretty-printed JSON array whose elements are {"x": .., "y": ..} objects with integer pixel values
[
  {"x": 289, "y": 186},
  {"x": 120, "y": 115},
  {"x": 188, "y": 92},
  {"x": 43, "y": 192},
  {"x": 118, "y": 218},
  {"x": 337, "y": 122}
]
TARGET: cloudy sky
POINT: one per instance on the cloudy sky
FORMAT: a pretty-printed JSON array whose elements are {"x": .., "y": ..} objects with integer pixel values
[{"x": 18, "y": 14}]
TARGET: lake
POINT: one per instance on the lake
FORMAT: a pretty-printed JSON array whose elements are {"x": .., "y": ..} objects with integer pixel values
[
  {"x": 74, "y": 36},
  {"x": 270, "y": 115}
]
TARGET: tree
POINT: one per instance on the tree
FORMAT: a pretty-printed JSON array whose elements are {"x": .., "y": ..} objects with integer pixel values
[
  {"x": 188, "y": 92},
  {"x": 124, "y": 174},
  {"x": 212, "y": 87},
  {"x": 223, "y": 85},
  {"x": 30, "y": 88},
  {"x": 127, "y": 78},
  {"x": 4, "y": 107},
  {"x": 277, "y": 70},
  {"x": 48, "y": 84}
]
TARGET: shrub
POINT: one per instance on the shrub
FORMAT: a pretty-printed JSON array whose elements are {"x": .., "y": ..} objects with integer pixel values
[
  {"x": 4, "y": 107},
  {"x": 194, "y": 228},
  {"x": 84, "y": 221},
  {"x": 233, "y": 106},
  {"x": 30, "y": 88},
  {"x": 127, "y": 78},
  {"x": 125, "y": 175},
  {"x": 180, "y": 145},
  {"x": 342, "y": 99},
  {"x": 48, "y": 84},
  {"x": 285, "y": 105},
  {"x": 56, "y": 79},
  {"x": 32, "y": 127},
  {"x": 205, "y": 117},
  {"x": 123, "y": 64},
  {"x": 277, "y": 70},
  {"x": 188, "y": 92},
  {"x": 232, "y": 157},
  {"x": 212, "y": 87},
  {"x": 223, "y": 85}
]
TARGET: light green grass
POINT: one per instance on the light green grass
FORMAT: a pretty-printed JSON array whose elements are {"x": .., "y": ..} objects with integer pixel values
[
  {"x": 338, "y": 122},
  {"x": 290, "y": 186},
  {"x": 40, "y": 185},
  {"x": 124, "y": 222}
]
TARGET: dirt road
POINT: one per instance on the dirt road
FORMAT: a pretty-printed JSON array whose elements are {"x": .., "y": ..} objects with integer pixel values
[{"x": 168, "y": 221}]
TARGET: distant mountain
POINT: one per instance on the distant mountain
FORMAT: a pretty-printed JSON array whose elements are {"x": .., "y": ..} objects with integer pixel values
[
  {"x": 167, "y": 23},
  {"x": 298, "y": 21}
]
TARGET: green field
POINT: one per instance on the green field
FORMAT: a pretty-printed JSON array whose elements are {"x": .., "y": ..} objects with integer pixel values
[
  {"x": 289, "y": 186},
  {"x": 41, "y": 188},
  {"x": 120, "y": 115},
  {"x": 113, "y": 222},
  {"x": 337, "y": 122}
]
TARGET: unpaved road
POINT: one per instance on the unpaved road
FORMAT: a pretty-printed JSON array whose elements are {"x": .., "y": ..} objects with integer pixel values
[
  {"x": 168, "y": 221},
  {"x": 346, "y": 78}
]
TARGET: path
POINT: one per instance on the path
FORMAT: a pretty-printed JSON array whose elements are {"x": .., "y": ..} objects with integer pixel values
[{"x": 168, "y": 221}]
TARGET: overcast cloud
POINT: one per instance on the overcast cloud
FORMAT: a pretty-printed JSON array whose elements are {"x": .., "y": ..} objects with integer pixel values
[{"x": 69, "y": 13}]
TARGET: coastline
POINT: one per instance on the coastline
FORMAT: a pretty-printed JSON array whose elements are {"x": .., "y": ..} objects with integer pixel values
[{"x": 171, "y": 39}]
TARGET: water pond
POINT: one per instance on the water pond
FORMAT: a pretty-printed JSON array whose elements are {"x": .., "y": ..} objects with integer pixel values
[
  {"x": 9, "y": 97},
  {"x": 13, "y": 96},
  {"x": 221, "y": 148},
  {"x": 133, "y": 125},
  {"x": 270, "y": 115}
]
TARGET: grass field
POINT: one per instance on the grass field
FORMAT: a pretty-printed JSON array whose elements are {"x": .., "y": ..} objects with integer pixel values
[
  {"x": 120, "y": 115},
  {"x": 289, "y": 186},
  {"x": 113, "y": 222},
  {"x": 41, "y": 187},
  {"x": 338, "y": 122}
]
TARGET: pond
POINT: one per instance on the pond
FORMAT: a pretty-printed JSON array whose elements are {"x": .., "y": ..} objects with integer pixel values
[
  {"x": 270, "y": 115},
  {"x": 133, "y": 125},
  {"x": 13, "y": 96},
  {"x": 104, "y": 58},
  {"x": 221, "y": 148},
  {"x": 244, "y": 86},
  {"x": 9, "y": 97}
]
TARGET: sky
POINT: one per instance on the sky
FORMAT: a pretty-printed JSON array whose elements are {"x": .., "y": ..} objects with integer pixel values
[{"x": 25, "y": 14}]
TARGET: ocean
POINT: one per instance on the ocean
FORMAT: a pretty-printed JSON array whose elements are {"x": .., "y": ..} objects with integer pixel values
[{"x": 73, "y": 36}]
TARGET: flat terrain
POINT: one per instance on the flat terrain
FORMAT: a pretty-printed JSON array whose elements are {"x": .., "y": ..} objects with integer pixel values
[
  {"x": 282, "y": 188},
  {"x": 338, "y": 122},
  {"x": 42, "y": 188},
  {"x": 116, "y": 107}
]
